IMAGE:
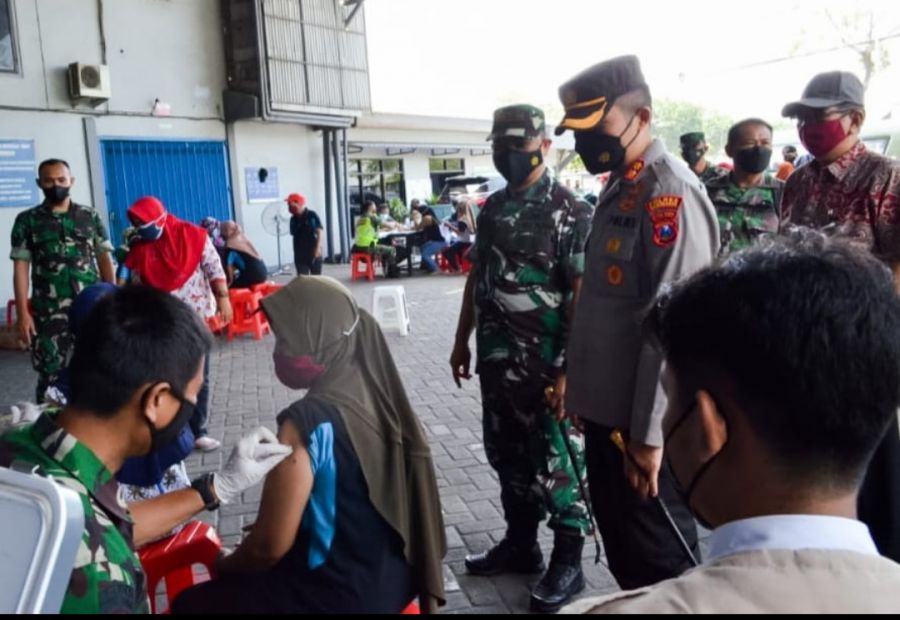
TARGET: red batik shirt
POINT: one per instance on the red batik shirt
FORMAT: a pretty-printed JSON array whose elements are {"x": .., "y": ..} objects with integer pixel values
[{"x": 857, "y": 197}]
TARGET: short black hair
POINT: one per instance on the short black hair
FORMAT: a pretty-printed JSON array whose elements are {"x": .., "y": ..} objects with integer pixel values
[
  {"x": 633, "y": 101},
  {"x": 53, "y": 162},
  {"x": 134, "y": 337},
  {"x": 803, "y": 335},
  {"x": 734, "y": 134},
  {"x": 790, "y": 148},
  {"x": 368, "y": 205}
]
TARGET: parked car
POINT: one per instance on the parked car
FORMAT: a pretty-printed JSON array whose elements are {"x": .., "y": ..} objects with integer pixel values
[{"x": 476, "y": 188}]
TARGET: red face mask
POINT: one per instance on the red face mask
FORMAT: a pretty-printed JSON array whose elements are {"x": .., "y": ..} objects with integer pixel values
[
  {"x": 297, "y": 373},
  {"x": 820, "y": 138}
]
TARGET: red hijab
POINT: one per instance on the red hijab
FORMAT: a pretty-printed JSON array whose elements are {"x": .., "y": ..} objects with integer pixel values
[{"x": 167, "y": 263}]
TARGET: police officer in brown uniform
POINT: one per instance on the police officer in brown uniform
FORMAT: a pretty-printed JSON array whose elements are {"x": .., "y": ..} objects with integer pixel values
[{"x": 654, "y": 224}]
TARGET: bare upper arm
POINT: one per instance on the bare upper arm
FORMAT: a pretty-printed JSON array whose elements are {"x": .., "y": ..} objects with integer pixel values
[{"x": 285, "y": 495}]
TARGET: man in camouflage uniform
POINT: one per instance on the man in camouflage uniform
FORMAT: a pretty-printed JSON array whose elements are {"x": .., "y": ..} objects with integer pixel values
[
  {"x": 124, "y": 410},
  {"x": 693, "y": 151},
  {"x": 747, "y": 199},
  {"x": 62, "y": 244},
  {"x": 528, "y": 261}
]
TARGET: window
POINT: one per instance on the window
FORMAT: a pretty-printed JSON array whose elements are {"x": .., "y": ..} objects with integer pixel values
[
  {"x": 379, "y": 180},
  {"x": 7, "y": 43},
  {"x": 443, "y": 169},
  {"x": 446, "y": 165}
]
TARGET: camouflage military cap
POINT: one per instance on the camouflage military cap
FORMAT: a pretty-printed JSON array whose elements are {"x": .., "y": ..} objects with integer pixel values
[
  {"x": 517, "y": 121},
  {"x": 588, "y": 96},
  {"x": 692, "y": 138}
]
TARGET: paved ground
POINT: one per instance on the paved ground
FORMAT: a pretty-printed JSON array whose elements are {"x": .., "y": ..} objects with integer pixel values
[{"x": 245, "y": 393}]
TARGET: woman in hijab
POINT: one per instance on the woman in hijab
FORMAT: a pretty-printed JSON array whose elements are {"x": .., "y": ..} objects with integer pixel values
[
  {"x": 178, "y": 257},
  {"x": 352, "y": 521},
  {"x": 242, "y": 262}
]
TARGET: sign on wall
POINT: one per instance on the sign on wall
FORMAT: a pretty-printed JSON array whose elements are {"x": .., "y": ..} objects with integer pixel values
[
  {"x": 262, "y": 184},
  {"x": 18, "y": 171}
]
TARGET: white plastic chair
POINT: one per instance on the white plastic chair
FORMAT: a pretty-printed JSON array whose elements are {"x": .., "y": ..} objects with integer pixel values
[
  {"x": 43, "y": 523},
  {"x": 389, "y": 309}
]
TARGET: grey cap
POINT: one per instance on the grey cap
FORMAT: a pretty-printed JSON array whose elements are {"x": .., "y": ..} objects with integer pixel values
[{"x": 827, "y": 90}]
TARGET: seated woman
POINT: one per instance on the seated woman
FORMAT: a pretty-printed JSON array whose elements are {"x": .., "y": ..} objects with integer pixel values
[
  {"x": 462, "y": 223},
  {"x": 434, "y": 238},
  {"x": 351, "y": 522},
  {"x": 243, "y": 266},
  {"x": 366, "y": 241}
]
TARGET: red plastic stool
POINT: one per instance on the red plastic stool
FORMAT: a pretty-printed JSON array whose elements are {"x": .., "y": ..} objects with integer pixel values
[
  {"x": 443, "y": 263},
  {"x": 412, "y": 610},
  {"x": 266, "y": 288},
  {"x": 362, "y": 258},
  {"x": 248, "y": 318},
  {"x": 172, "y": 560},
  {"x": 11, "y": 310}
]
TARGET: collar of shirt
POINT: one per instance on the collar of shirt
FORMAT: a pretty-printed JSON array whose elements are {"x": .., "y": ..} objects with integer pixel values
[
  {"x": 842, "y": 166},
  {"x": 790, "y": 533},
  {"x": 80, "y": 462},
  {"x": 533, "y": 193}
]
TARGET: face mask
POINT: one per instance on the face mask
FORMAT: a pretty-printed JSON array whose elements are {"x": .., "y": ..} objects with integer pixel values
[
  {"x": 516, "y": 166},
  {"x": 687, "y": 491},
  {"x": 601, "y": 152},
  {"x": 297, "y": 373},
  {"x": 823, "y": 137},
  {"x": 753, "y": 160},
  {"x": 162, "y": 437},
  {"x": 692, "y": 156},
  {"x": 55, "y": 195},
  {"x": 153, "y": 230}
]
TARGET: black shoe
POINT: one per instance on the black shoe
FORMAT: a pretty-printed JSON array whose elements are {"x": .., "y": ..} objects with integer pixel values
[
  {"x": 506, "y": 557},
  {"x": 557, "y": 587},
  {"x": 563, "y": 580}
]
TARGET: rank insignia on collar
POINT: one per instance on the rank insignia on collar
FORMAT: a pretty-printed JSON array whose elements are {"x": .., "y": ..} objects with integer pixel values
[{"x": 634, "y": 171}]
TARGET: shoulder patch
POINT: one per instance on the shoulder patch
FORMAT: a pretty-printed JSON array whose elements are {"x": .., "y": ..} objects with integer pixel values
[{"x": 663, "y": 212}]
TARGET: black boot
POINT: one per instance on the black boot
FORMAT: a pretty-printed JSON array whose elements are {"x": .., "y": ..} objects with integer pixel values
[
  {"x": 507, "y": 557},
  {"x": 564, "y": 579}
]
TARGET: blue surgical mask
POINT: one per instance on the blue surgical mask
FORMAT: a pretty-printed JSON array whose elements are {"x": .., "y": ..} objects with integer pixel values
[{"x": 153, "y": 230}]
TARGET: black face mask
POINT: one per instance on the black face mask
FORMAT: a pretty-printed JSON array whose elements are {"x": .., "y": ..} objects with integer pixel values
[
  {"x": 55, "y": 195},
  {"x": 162, "y": 437},
  {"x": 601, "y": 152},
  {"x": 686, "y": 492},
  {"x": 692, "y": 156},
  {"x": 753, "y": 160},
  {"x": 516, "y": 166}
]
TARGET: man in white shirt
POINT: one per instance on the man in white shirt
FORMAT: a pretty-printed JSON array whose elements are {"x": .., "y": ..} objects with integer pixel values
[{"x": 769, "y": 430}]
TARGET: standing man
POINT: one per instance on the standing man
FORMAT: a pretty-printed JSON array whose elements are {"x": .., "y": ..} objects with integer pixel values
[
  {"x": 307, "y": 231},
  {"x": 851, "y": 192},
  {"x": 528, "y": 261},
  {"x": 747, "y": 198},
  {"x": 693, "y": 151},
  {"x": 786, "y": 169},
  {"x": 63, "y": 248},
  {"x": 654, "y": 224}
]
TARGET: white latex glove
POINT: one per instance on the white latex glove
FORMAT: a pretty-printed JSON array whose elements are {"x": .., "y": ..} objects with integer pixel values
[
  {"x": 25, "y": 412},
  {"x": 251, "y": 459}
]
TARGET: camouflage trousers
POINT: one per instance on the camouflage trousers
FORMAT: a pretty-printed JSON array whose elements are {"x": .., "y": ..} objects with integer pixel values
[
  {"x": 50, "y": 349},
  {"x": 527, "y": 447}
]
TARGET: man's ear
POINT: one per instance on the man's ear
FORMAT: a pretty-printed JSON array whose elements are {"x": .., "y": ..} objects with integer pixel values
[
  {"x": 151, "y": 401},
  {"x": 729, "y": 151},
  {"x": 645, "y": 115},
  {"x": 714, "y": 428},
  {"x": 545, "y": 146}
]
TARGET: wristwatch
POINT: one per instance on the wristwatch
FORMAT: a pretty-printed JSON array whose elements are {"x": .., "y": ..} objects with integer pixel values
[{"x": 204, "y": 486}]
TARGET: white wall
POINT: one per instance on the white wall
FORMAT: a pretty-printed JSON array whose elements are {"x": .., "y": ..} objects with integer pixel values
[
  {"x": 297, "y": 153},
  {"x": 166, "y": 49}
]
